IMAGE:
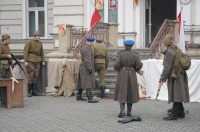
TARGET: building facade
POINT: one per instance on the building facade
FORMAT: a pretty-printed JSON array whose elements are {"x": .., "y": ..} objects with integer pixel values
[{"x": 138, "y": 19}]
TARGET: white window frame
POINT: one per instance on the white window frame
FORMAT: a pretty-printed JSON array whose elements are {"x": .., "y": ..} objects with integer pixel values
[{"x": 25, "y": 10}]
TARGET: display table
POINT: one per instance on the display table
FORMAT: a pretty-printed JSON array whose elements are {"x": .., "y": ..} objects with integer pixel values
[
  {"x": 152, "y": 71},
  {"x": 9, "y": 98},
  {"x": 62, "y": 76}
]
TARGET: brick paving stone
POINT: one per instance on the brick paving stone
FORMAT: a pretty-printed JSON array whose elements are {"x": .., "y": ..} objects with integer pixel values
[{"x": 65, "y": 114}]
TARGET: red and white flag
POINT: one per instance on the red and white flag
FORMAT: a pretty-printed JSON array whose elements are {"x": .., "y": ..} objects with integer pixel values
[
  {"x": 96, "y": 17},
  {"x": 181, "y": 32}
]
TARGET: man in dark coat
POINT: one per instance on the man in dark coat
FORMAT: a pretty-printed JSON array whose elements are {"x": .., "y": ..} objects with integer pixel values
[
  {"x": 126, "y": 90},
  {"x": 86, "y": 79},
  {"x": 178, "y": 91}
]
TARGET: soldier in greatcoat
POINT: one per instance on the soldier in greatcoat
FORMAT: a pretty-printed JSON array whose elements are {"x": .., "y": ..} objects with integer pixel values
[
  {"x": 86, "y": 79},
  {"x": 178, "y": 91},
  {"x": 126, "y": 90},
  {"x": 33, "y": 57},
  {"x": 5, "y": 57},
  {"x": 101, "y": 62}
]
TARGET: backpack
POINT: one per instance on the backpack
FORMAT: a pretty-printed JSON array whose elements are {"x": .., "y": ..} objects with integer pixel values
[
  {"x": 181, "y": 64},
  {"x": 185, "y": 62}
]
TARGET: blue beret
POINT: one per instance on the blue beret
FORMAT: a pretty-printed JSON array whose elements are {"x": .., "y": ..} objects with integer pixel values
[
  {"x": 129, "y": 42},
  {"x": 90, "y": 39}
]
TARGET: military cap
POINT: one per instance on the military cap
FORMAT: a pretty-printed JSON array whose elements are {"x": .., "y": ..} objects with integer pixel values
[
  {"x": 99, "y": 40},
  {"x": 90, "y": 38},
  {"x": 129, "y": 42},
  {"x": 37, "y": 33},
  {"x": 5, "y": 36}
]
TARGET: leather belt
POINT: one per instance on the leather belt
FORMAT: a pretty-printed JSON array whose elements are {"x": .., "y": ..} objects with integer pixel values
[
  {"x": 99, "y": 57},
  {"x": 128, "y": 68}
]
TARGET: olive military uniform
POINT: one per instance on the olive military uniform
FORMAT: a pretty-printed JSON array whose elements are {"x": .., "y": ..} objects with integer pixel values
[
  {"x": 101, "y": 63},
  {"x": 5, "y": 62},
  {"x": 34, "y": 55}
]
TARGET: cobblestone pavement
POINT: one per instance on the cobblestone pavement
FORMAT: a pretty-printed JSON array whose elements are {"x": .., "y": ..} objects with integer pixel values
[{"x": 65, "y": 114}]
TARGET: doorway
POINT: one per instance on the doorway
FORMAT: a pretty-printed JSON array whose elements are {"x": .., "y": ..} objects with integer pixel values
[{"x": 156, "y": 11}]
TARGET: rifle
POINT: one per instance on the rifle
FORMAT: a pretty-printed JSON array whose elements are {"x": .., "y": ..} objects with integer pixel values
[{"x": 17, "y": 63}]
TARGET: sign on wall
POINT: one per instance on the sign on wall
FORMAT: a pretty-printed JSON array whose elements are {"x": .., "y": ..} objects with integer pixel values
[{"x": 99, "y": 4}]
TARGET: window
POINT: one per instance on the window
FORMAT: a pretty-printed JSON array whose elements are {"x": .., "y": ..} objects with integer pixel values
[{"x": 36, "y": 17}]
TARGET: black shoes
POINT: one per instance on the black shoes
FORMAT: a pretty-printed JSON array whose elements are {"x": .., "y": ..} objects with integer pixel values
[
  {"x": 80, "y": 98},
  {"x": 171, "y": 117},
  {"x": 92, "y": 100},
  {"x": 121, "y": 114}
]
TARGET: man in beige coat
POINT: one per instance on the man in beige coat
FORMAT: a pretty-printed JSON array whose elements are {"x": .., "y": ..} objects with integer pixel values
[
  {"x": 5, "y": 57},
  {"x": 126, "y": 89},
  {"x": 101, "y": 62},
  {"x": 178, "y": 91},
  {"x": 33, "y": 57}
]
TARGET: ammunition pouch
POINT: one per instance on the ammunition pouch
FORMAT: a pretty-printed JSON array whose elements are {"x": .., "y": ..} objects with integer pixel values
[{"x": 5, "y": 64}]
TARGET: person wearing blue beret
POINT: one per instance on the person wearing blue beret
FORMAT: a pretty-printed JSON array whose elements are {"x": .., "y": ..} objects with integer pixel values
[
  {"x": 86, "y": 78},
  {"x": 126, "y": 90},
  {"x": 90, "y": 39}
]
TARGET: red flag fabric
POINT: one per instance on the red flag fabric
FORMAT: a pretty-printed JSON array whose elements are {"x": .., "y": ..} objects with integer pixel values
[
  {"x": 96, "y": 17},
  {"x": 181, "y": 33}
]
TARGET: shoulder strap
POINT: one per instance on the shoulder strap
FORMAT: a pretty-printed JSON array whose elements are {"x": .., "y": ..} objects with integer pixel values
[{"x": 176, "y": 67}]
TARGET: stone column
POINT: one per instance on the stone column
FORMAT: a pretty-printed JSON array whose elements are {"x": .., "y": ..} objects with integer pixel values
[
  {"x": 113, "y": 34},
  {"x": 63, "y": 43}
]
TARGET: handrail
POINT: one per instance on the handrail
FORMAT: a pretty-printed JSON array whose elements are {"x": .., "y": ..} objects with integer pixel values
[{"x": 167, "y": 27}]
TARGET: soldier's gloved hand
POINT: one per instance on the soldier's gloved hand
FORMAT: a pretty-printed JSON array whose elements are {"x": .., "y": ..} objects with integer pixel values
[{"x": 90, "y": 71}]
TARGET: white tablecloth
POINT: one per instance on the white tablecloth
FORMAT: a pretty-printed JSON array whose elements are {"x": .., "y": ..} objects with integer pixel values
[{"x": 152, "y": 71}]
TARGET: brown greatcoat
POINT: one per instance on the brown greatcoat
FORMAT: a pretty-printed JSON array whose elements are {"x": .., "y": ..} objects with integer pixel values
[
  {"x": 126, "y": 89},
  {"x": 177, "y": 89},
  {"x": 85, "y": 79}
]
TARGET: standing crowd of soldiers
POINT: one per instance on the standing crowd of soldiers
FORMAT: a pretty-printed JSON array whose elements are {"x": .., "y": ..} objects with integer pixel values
[
  {"x": 95, "y": 59},
  {"x": 33, "y": 58}
]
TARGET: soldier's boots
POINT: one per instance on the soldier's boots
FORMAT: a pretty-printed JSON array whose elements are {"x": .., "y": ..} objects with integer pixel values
[
  {"x": 79, "y": 95},
  {"x": 129, "y": 109},
  {"x": 34, "y": 90},
  {"x": 90, "y": 97},
  {"x": 121, "y": 114},
  {"x": 102, "y": 91},
  {"x": 30, "y": 87}
]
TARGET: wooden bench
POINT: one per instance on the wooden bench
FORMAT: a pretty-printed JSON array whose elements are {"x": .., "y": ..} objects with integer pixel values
[{"x": 11, "y": 99}]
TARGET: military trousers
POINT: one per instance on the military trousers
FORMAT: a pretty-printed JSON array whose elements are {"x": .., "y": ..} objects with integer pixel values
[
  {"x": 32, "y": 74},
  {"x": 100, "y": 69}
]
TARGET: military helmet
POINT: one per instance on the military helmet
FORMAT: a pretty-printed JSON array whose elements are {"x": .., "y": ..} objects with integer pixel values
[
  {"x": 5, "y": 36},
  {"x": 37, "y": 33}
]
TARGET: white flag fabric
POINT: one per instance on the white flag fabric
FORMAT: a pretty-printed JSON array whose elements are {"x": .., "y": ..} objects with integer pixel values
[{"x": 181, "y": 33}]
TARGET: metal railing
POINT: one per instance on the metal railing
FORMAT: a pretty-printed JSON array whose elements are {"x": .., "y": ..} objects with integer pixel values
[
  {"x": 167, "y": 27},
  {"x": 100, "y": 31}
]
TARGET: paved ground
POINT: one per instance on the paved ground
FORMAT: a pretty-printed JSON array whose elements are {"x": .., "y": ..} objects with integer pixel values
[{"x": 65, "y": 114}]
